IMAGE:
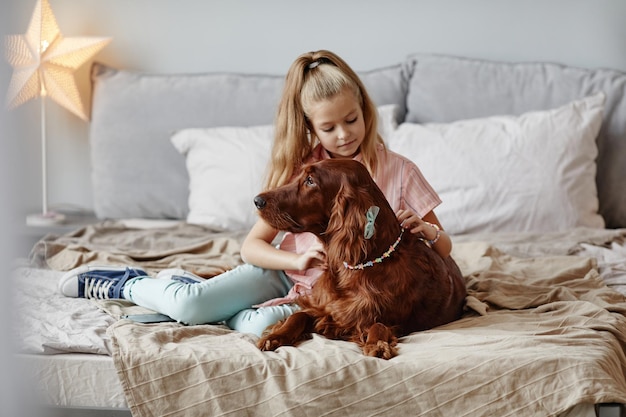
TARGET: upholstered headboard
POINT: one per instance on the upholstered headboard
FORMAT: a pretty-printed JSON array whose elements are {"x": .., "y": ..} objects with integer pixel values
[{"x": 137, "y": 172}]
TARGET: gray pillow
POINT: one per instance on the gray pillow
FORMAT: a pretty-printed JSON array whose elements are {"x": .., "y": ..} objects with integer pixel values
[
  {"x": 446, "y": 89},
  {"x": 136, "y": 172}
]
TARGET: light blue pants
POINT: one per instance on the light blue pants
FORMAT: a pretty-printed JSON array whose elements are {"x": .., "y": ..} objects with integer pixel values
[{"x": 227, "y": 297}]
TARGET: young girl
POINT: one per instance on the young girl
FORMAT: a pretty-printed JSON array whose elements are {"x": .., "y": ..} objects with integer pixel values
[{"x": 325, "y": 112}]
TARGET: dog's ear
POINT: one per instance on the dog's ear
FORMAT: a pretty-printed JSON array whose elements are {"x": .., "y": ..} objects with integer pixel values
[{"x": 347, "y": 223}]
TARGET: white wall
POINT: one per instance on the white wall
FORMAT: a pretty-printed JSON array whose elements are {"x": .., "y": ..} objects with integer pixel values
[{"x": 265, "y": 36}]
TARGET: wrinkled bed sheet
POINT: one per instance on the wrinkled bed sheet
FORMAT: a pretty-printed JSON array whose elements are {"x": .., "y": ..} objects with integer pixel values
[{"x": 45, "y": 322}]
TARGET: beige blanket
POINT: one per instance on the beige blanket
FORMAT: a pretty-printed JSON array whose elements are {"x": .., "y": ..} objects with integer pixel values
[
  {"x": 182, "y": 245},
  {"x": 540, "y": 336}
]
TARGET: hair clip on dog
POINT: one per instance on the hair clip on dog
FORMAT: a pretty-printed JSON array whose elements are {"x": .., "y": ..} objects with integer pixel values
[{"x": 370, "y": 216}]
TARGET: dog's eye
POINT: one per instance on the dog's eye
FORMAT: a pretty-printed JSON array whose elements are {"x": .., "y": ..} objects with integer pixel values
[{"x": 309, "y": 181}]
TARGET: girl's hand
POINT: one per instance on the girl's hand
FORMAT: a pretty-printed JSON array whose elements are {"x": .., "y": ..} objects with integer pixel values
[
  {"x": 415, "y": 224},
  {"x": 314, "y": 257}
]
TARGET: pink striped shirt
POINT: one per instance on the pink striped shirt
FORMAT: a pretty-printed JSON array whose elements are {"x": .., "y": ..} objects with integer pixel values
[{"x": 405, "y": 188}]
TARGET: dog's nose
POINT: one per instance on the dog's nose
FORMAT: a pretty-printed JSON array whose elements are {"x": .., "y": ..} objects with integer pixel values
[{"x": 259, "y": 202}]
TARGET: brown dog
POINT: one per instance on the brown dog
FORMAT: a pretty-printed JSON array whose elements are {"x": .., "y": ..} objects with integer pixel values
[{"x": 406, "y": 287}]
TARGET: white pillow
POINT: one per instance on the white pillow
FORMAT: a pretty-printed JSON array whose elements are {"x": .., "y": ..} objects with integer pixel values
[
  {"x": 534, "y": 172},
  {"x": 387, "y": 122},
  {"x": 226, "y": 167}
]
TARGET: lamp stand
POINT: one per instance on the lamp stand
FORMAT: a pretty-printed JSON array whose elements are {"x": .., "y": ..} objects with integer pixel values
[{"x": 46, "y": 217}]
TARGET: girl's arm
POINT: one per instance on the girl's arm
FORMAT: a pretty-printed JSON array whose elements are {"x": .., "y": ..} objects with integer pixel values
[
  {"x": 257, "y": 249},
  {"x": 412, "y": 222}
]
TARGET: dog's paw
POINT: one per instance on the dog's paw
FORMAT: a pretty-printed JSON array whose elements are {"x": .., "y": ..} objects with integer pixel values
[
  {"x": 274, "y": 341},
  {"x": 380, "y": 342},
  {"x": 380, "y": 349},
  {"x": 269, "y": 343}
]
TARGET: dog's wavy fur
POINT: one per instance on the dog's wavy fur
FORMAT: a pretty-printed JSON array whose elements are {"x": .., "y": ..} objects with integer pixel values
[{"x": 413, "y": 289}]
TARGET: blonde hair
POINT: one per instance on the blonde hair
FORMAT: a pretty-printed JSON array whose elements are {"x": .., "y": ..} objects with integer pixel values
[{"x": 313, "y": 77}]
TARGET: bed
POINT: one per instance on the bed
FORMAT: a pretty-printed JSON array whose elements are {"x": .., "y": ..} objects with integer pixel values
[{"x": 529, "y": 159}]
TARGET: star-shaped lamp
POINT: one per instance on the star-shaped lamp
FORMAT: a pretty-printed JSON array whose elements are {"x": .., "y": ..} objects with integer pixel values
[{"x": 43, "y": 64}]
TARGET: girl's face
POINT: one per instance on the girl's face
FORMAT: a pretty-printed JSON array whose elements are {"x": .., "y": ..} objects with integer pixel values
[{"x": 338, "y": 124}]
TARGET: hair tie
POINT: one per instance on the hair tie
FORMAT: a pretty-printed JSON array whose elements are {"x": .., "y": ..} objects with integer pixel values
[
  {"x": 370, "y": 216},
  {"x": 314, "y": 64}
]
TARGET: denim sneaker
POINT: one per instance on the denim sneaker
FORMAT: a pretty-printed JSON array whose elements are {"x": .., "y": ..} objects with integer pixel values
[
  {"x": 178, "y": 274},
  {"x": 99, "y": 282}
]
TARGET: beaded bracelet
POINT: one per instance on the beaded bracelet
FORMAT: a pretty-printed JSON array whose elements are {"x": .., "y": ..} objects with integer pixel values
[{"x": 437, "y": 236}]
